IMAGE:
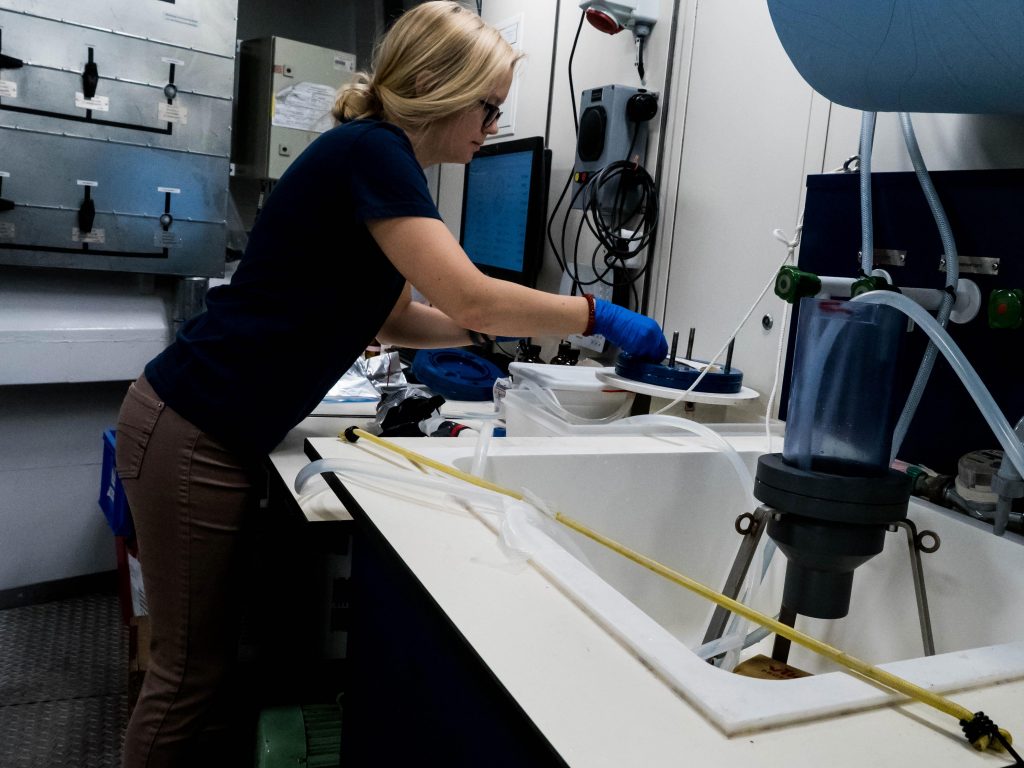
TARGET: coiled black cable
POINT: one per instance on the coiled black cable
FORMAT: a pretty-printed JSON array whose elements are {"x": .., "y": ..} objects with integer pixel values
[{"x": 635, "y": 196}]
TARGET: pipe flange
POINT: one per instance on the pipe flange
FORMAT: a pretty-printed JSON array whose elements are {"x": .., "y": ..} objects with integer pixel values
[{"x": 877, "y": 500}]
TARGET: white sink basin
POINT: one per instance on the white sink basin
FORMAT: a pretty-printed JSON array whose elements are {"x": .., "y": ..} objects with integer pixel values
[{"x": 675, "y": 499}]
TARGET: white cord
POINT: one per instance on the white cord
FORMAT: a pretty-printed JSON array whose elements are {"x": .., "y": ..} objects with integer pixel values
[{"x": 791, "y": 246}]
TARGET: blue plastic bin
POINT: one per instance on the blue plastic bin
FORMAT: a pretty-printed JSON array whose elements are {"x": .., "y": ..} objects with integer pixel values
[{"x": 112, "y": 499}]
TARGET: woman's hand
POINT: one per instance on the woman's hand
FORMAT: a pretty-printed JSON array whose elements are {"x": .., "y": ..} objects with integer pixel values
[{"x": 632, "y": 332}]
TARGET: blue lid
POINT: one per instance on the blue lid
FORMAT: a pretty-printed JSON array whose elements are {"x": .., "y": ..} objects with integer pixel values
[
  {"x": 457, "y": 374},
  {"x": 678, "y": 376}
]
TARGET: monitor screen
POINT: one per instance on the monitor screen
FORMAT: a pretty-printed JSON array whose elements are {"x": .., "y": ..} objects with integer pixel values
[{"x": 503, "y": 207}]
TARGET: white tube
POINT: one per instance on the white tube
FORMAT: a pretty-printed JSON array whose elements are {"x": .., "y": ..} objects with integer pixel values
[
  {"x": 483, "y": 441},
  {"x": 517, "y": 520},
  {"x": 841, "y": 287},
  {"x": 835, "y": 286},
  {"x": 867, "y": 223},
  {"x": 952, "y": 278},
  {"x": 1012, "y": 447},
  {"x": 363, "y": 471},
  {"x": 674, "y": 422},
  {"x": 929, "y": 298},
  {"x": 728, "y": 643},
  {"x": 552, "y": 402}
]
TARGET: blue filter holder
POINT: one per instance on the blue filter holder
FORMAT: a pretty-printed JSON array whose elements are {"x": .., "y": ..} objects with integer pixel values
[
  {"x": 679, "y": 375},
  {"x": 457, "y": 374},
  {"x": 841, "y": 412}
]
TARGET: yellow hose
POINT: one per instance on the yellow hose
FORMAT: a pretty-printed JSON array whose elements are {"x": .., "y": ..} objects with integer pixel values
[{"x": 870, "y": 671}]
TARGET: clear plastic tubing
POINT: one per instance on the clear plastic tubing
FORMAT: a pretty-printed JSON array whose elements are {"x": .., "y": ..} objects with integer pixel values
[
  {"x": 483, "y": 442},
  {"x": 674, "y": 422},
  {"x": 361, "y": 471},
  {"x": 1011, "y": 444},
  {"x": 556, "y": 406}
]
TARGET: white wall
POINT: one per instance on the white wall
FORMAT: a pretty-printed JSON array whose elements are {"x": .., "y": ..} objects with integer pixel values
[
  {"x": 741, "y": 125},
  {"x": 51, "y": 453}
]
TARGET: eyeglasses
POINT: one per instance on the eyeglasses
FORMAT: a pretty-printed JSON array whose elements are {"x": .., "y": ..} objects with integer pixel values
[{"x": 491, "y": 114}]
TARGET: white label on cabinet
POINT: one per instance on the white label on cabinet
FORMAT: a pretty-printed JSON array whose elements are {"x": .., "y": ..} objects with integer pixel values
[
  {"x": 92, "y": 236},
  {"x": 344, "y": 62},
  {"x": 172, "y": 113},
  {"x": 96, "y": 103},
  {"x": 166, "y": 239}
]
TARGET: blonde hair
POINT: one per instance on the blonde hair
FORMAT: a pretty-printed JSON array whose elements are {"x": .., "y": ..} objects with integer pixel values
[{"x": 437, "y": 60}]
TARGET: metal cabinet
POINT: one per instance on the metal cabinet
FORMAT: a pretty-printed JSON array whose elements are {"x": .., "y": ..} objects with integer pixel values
[{"x": 115, "y": 134}]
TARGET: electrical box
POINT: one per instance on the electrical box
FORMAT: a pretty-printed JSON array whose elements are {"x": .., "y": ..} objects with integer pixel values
[
  {"x": 115, "y": 134},
  {"x": 286, "y": 90},
  {"x": 613, "y": 127}
]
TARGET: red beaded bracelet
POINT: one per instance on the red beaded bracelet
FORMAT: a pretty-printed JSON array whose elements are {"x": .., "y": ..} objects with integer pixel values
[{"x": 591, "y": 315}]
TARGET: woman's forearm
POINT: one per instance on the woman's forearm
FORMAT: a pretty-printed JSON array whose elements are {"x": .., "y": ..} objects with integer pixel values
[
  {"x": 425, "y": 252},
  {"x": 501, "y": 308},
  {"x": 419, "y": 326}
]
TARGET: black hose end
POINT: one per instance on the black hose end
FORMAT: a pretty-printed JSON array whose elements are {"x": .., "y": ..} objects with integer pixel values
[
  {"x": 350, "y": 434},
  {"x": 978, "y": 726}
]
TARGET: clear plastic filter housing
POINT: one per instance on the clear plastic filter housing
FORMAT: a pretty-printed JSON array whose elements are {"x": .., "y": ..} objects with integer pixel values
[{"x": 841, "y": 413}]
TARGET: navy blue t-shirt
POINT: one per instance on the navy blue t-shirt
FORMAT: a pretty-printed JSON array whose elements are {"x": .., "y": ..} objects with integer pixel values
[{"x": 310, "y": 293}]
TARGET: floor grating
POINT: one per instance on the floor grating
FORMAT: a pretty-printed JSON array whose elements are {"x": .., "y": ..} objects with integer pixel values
[{"x": 63, "y": 684}]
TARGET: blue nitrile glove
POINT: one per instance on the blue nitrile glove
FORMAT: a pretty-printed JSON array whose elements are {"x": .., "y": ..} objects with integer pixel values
[{"x": 632, "y": 332}]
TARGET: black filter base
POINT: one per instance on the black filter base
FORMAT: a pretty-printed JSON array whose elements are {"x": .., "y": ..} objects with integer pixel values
[
  {"x": 821, "y": 558},
  {"x": 818, "y": 594},
  {"x": 827, "y": 526}
]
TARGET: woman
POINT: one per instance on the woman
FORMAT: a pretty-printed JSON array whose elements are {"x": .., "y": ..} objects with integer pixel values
[{"x": 349, "y": 227}]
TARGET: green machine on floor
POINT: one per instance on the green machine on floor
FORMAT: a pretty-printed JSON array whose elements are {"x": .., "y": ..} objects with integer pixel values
[{"x": 302, "y": 735}]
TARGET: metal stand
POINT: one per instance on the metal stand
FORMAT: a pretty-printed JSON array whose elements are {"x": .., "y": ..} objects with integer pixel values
[
  {"x": 914, "y": 540},
  {"x": 752, "y": 526}
]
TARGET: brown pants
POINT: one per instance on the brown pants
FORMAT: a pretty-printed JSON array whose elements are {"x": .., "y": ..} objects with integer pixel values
[{"x": 188, "y": 495}]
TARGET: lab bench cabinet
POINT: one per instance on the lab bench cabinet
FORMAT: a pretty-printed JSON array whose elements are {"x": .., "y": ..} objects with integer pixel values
[{"x": 417, "y": 692}]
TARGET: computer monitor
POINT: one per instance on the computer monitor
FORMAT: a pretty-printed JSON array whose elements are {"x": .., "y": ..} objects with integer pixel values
[{"x": 504, "y": 205}]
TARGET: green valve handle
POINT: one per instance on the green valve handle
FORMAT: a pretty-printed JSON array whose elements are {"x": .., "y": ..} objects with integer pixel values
[
  {"x": 1004, "y": 308},
  {"x": 792, "y": 283},
  {"x": 869, "y": 283}
]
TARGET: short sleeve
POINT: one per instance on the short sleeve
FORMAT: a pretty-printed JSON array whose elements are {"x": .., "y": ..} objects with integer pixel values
[{"x": 386, "y": 180}]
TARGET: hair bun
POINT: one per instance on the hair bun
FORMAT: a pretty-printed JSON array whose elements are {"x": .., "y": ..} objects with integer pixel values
[{"x": 357, "y": 99}]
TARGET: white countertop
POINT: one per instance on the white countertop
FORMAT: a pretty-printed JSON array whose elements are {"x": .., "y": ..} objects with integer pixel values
[
  {"x": 330, "y": 420},
  {"x": 596, "y": 702}
]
